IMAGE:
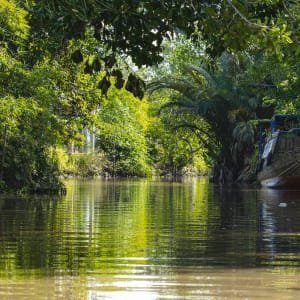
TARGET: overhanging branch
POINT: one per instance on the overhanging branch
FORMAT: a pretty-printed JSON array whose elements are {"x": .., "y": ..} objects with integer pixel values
[{"x": 245, "y": 19}]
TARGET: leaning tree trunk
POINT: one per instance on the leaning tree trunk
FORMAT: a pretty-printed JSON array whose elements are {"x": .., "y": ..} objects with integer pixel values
[
  {"x": 223, "y": 170},
  {"x": 232, "y": 168}
]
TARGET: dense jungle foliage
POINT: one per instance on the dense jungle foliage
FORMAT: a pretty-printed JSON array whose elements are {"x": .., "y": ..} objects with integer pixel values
[{"x": 165, "y": 88}]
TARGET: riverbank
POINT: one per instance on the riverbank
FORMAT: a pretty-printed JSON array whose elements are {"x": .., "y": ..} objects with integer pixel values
[{"x": 79, "y": 165}]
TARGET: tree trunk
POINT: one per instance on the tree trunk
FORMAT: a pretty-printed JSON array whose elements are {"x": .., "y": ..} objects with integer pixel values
[{"x": 3, "y": 153}]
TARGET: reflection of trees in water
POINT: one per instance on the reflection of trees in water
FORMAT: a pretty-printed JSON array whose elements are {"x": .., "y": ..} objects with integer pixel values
[
  {"x": 238, "y": 208},
  {"x": 218, "y": 228},
  {"x": 24, "y": 231},
  {"x": 110, "y": 225},
  {"x": 233, "y": 242}
]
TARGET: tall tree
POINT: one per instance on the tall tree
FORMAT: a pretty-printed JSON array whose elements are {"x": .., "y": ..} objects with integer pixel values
[
  {"x": 41, "y": 106},
  {"x": 217, "y": 101}
]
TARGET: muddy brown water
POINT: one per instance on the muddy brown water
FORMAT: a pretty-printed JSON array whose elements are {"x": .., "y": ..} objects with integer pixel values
[{"x": 151, "y": 239}]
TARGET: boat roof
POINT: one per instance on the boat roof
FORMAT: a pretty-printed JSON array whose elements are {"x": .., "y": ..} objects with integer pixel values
[
  {"x": 276, "y": 117},
  {"x": 282, "y": 116}
]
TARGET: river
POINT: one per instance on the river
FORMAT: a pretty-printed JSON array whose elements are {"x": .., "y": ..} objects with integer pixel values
[{"x": 151, "y": 239}]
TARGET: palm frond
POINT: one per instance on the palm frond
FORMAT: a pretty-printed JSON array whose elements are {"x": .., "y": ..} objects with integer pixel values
[
  {"x": 183, "y": 103},
  {"x": 191, "y": 68},
  {"x": 179, "y": 85},
  {"x": 244, "y": 135}
]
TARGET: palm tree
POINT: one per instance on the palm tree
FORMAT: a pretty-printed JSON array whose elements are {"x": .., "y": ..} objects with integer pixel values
[{"x": 215, "y": 98}]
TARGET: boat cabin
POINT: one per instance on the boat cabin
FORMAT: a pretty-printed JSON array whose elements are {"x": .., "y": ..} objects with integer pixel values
[
  {"x": 268, "y": 129},
  {"x": 279, "y": 152},
  {"x": 284, "y": 122}
]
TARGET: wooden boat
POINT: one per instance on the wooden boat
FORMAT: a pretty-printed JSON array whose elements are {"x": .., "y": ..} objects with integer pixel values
[{"x": 279, "y": 165}]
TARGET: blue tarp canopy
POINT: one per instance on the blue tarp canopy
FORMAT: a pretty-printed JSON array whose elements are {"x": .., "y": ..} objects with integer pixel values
[{"x": 279, "y": 120}]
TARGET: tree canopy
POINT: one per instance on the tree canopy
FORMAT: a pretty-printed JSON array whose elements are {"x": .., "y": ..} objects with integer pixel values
[{"x": 137, "y": 28}]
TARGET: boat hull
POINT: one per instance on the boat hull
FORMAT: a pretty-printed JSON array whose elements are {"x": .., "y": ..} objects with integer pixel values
[
  {"x": 287, "y": 182},
  {"x": 281, "y": 167}
]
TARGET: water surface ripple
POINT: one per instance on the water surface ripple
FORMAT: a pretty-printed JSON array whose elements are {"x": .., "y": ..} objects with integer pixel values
[{"x": 151, "y": 239}]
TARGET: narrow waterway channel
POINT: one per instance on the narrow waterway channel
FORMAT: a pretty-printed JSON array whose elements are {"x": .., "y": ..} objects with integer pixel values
[{"x": 151, "y": 239}]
